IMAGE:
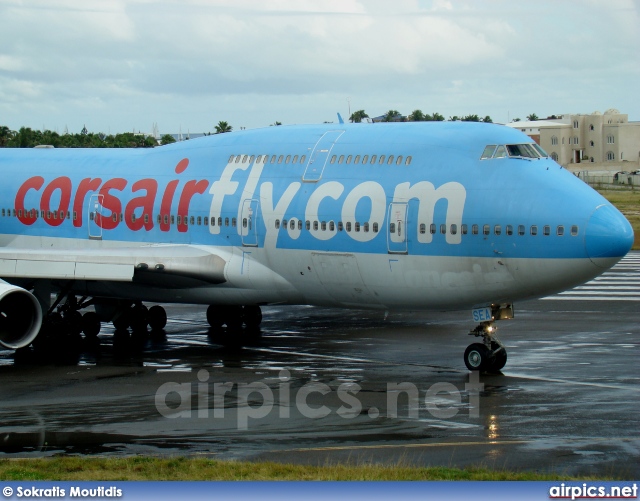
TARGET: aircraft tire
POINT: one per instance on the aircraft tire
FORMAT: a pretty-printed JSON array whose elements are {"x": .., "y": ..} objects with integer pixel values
[
  {"x": 157, "y": 317},
  {"x": 477, "y": 357},
  {"x": 499, "y": 358},
  {"x": 91, "y": 324},
  {"x": 252, "y": 315}
]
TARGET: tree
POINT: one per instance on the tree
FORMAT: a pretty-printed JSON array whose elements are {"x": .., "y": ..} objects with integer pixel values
[
  {"x": 437, "y": 117},
  {"x": 223, "y": 127},
  {"x": 275, "y": 124},
  {"x": 454, "y": 118},
  {"x": 487, "y": 120},
  {"x": 471, "y": 118},
  {"x": 167, "y": 139},
  {"x": 515, "y": 120},
  {"x": 5, "y": 135},
  {"x": 392, "y": 116},
  {"x": 358, "y": 116},
  {"x": 532, "y": 118},
  {"x": 417, "y": 116}
]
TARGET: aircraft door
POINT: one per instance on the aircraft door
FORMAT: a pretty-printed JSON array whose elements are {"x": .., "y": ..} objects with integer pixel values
[
  {"x": 250, "y": 222},
  {"x": 319, "y": 156},
  {"x": 95, "y": 209},
  {"x": 397, "y": 228}
]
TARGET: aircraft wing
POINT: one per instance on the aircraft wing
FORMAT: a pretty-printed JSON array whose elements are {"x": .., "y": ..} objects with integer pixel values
[{"x": 159, "y": 265}]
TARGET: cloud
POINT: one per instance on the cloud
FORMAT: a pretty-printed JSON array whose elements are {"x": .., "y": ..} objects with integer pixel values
[{"x": 244, "y": 57}]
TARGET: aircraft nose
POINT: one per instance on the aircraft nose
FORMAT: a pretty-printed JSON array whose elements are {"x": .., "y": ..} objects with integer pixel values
[{"x": 608, "y": 236}]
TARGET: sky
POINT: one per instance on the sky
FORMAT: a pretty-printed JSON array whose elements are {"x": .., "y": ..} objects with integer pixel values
[{"x": 125, "y": 65}]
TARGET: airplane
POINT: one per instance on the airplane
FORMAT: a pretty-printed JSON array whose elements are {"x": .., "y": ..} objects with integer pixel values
[{"x": 406, "y": 216}]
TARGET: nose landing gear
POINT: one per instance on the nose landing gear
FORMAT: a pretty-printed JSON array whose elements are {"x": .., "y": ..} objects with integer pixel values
[{"x": 490, "y": 355}]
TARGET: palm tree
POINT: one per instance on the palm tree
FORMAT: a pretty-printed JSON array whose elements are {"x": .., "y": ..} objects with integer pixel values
[
  {"x": 532, "y": 118},
  {"x": 392, "y": 116},
  {"x": 417, "y": 116},
  {"x": 223, "y": 127},
  {"x": 5, "y": 135},
  {"x": 357, "y": 116},
  {"x": 437, "y": 117}
]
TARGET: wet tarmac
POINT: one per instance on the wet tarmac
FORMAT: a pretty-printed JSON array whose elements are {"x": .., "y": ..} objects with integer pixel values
[{"x": 327, "y": 386}]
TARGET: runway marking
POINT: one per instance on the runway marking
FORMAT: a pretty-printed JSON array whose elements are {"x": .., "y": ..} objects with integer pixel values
[
  {"x": 403, "y": 446},
  {"x": 576, "y": 383},
  {"x": 620, "y": 283}
]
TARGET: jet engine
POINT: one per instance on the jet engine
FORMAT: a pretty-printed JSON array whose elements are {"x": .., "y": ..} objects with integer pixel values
[{"x": 20, "y": 316}]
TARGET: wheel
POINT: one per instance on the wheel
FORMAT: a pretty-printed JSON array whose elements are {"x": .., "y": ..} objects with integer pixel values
[
  {"x": 252, "y": 316},
  {"x": 499, "y": 358},
  {"x": 122, "y": 320},
  {"x": 139, "y": 315},
  {"x": 91, "y": 324},
  {"x": 157, "y": 317},
  {"x": 214, "y": 316},
  {"x": 476, "y": 357},
  {"x": 73, "y": 320},
  {"x": 233, "y": 317}
]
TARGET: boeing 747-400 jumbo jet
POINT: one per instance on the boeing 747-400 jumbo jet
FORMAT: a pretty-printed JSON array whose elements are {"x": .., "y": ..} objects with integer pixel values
[{"x": 408, "y": 216}]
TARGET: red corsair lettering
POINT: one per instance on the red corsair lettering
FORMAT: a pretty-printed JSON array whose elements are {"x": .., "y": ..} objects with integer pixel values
[{"x": 111, "y": 202}]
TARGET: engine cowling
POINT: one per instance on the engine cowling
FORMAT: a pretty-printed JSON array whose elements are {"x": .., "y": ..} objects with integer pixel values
[{"x": 20, "y": 316}]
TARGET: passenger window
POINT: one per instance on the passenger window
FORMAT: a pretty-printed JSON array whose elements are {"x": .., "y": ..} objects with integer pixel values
[
  {"x": 509, "y": 230},
  {"x": 292, "y": 224},
  {"x": 295, "y": 159},
  {"x": 432, "y": 228},
  {"x": 173, "y": 219},
  {"x": 365, "y": 227},
  {"x": 238, "y": 159},
  {"x": 280, "y": 159},
  {"x": 521, "y": 229},
  {"x": 284, "y": 224},
  {"x": 192, "y": 220},
  {"x": 288, "y": 159},
  {"x": 244, "y": 159},
  {"x": 399, "y": 160},
  {"x": 226, "y": 221},
  {"x": 546, "y": 230},
  {"x": 332, "y": 226},
  {"x": 390, "y": 161},
  {"x": 333, "y": 159},
  {"x": 408, "y": 161},
  {"x": 497, "y": 229},
  {"x": 244, "y": 222},
  {"x": 560, "y": 231},
  {"x": 443, "y": 229},
  {"x": 340, "y": 226},
  {"x": 146, "y": 218},
  {"x": 357, "y": 160},
  {"x": 373, "y": 159},
  {"x": 299, "y": 225},
  {"x": 277, "y": 224},
  {"x": 179, "y": 219},
  {"x": 375, "y": 227},
  {"x": 365, "y": 159},
  {"x": 303, "y": 158},
  {"x": 315, "y": 225},
  {"x": 323, "y": 226},
  {"x": 423, "y": 229},
  {"x": 213, "y": 221},
  {"x": 392, "y": 227},
  {"x": 534, "y": 230},
  {"x": 357, "y": 226},
  {"x": 381, "y": 161},
  {"x": 486, "y": 229},
  {"x": 251, "y": 159},
  {"x": 307, "y": 224},
  {"x": 219, "y": 221},
  {"x": 230, "y": 160},
  {"x": 273, "y": 159},
  {"x": 463, "y": 229},
  {"x": 349, "y": 227},
  {"x": 574, "y": 231},
  {"x": 258, "y": 159},
  {"x": 341, "y": 159},
  {"x": 233, "y": 222},
  {"x": 348, "y": 159},
  {"x": 454, "y": 229}
]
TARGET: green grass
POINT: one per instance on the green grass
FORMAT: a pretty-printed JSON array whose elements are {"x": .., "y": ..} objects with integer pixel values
[
  {"x": 627, "y": 202},
  {"x": 181, "y": 468}
]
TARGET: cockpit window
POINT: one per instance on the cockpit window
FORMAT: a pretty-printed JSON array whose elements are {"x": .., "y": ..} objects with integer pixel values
[
  {"x": 524, "y": 150},
  {"x": 488, "y": 152},
  {"x": 501, "y": 152}
]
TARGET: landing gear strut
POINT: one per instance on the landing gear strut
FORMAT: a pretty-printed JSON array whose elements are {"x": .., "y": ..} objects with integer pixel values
[{"x": 490, "y": 355}]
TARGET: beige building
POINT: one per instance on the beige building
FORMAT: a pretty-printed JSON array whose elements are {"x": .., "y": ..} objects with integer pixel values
[{"x": 608, "y": 139}]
